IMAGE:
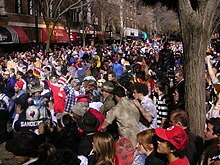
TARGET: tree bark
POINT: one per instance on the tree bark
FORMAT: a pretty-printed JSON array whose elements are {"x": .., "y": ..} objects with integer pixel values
[
  {"x": 49, "y": 34},
  {"x": 196, "y": 27}
]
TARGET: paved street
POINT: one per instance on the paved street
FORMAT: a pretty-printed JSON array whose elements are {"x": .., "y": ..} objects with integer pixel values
[{"x": 6, "y": 158}]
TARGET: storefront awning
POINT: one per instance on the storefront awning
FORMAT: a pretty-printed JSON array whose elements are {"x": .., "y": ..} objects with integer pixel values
[
  {"x": 75, "y": 36},
  {"x": 58, "y": 36},
  {"x": 8, "y": 35},
  {"x": 21, "y": 34}
]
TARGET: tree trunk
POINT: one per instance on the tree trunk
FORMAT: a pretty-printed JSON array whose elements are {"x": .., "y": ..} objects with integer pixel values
[
  {"x": 49, "y": 33},
  {"x": 196, "y": 27},
  {"x": 194, "y": 69},
  {"x": 48, "y": 44}
]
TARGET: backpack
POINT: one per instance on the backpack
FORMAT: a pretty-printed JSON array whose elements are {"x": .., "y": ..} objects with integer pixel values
[{"x": 3, "y": 105}]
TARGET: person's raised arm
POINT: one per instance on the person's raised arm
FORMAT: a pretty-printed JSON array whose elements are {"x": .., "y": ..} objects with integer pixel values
[{"x": 210, "y": 70}]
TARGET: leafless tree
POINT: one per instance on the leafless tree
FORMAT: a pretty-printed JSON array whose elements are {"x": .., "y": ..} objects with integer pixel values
[
  {"x": 165, "y": 20},
  {"x": 145, "y": 17},
  {"x": 107, "y": 11},
  {"x": 197, "y": 24},
  {"x": 53, "y": 11},
  {"x": 157, "y": 19}
]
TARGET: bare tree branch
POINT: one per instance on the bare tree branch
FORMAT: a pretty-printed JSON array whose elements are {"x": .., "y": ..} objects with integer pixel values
[{"x": 183, "y": 4}]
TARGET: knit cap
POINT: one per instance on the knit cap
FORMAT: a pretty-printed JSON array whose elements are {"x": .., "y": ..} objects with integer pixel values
[{"x": 19, "y": 84}]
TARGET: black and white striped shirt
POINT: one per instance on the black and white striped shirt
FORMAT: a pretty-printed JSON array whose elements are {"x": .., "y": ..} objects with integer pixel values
[{"x": 162, "y": 104}]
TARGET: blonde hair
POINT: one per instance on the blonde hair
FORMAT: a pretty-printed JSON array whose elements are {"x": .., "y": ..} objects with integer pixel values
[
  {"x": 146, "y": 137},
  {"x": 104, "y": 147}
]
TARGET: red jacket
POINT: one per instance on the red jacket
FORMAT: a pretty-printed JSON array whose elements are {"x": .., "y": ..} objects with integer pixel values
[{"x": 59, "y": 101}]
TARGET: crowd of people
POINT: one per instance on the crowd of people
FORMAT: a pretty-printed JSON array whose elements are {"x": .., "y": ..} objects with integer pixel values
[{"x": 105, "y": 105}]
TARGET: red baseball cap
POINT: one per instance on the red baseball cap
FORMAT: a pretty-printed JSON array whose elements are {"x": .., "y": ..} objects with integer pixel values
[
  {"x": 175, "y": 135},
  {"x": 82, "y": 98}
]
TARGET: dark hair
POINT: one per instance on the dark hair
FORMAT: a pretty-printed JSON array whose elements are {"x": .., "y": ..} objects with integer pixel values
[
  {"x": 181, "y": 116},
  {"x": 161, "y": 86},
  {"x": 216, "y": 124},
  {"x": 20, "y": 73},
  {"x": 125, "y": 81},
  {"x": 30, "y": 71},
  {"x": 180, "y": 72},
  {"x": 47, "y": 68},
  {"x": 102, "y": 68},
  {"x": 113, "y": 74},
  {"x": 119, "y": 91},
  {"x": 213, "y": 121},
  {"x": 70, "y": 128},
  {"x": 140, "y": 88},
  {"x": 45, "y": 151},
  {"x": 128, "y": 67},
  {"x": 12, "y": 70},
  {"x": 64, "y": 156},
  {"x": 80, "y": 65},
  {"x": 176, "y": 153},
  {"x": 51, "y": 76},
  {"x": 166, "y": 44},
  {"x": 2, "y": 84}
]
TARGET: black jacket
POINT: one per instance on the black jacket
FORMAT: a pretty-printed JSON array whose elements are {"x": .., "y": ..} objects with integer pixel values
[{"x": 154, "y": 159}]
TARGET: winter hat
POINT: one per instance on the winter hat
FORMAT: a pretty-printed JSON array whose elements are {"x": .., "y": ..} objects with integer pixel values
[
  {"x": 175, "y": 135},
  {"x": 32, "y": 113},
  {"x": 34, "y": 89},
  {"x": 62, "y": 80},
  {"x": 88, "y": 78},
  {"x": 80, "y": 108},
  {"x": 74, "y": 82},
  {"x": 95, "y": 105},
  {"x": 89, "y": 122},
  {"x": 6, "y": 72},
  {"x": 81, "y": 105},
  {"x": 24, "y": 144},
  {"x": 115, "y": 59},
  {"x": 108, "y": 86},
  {"x": 19, "y": 84},
  {"x": 82, "y": 98},
  {"x": 99, "y": 116}
]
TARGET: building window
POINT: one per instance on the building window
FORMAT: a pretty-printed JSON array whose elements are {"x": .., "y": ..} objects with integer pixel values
[
  {"x": 51, "y": 10},
  {"x": 18, "y": 6},
  {"x": 30, "y": 7},
  {"x": 75, "y": 16}
]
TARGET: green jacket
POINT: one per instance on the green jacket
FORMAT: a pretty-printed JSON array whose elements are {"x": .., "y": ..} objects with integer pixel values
[{"x": 107, "y": 104}]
